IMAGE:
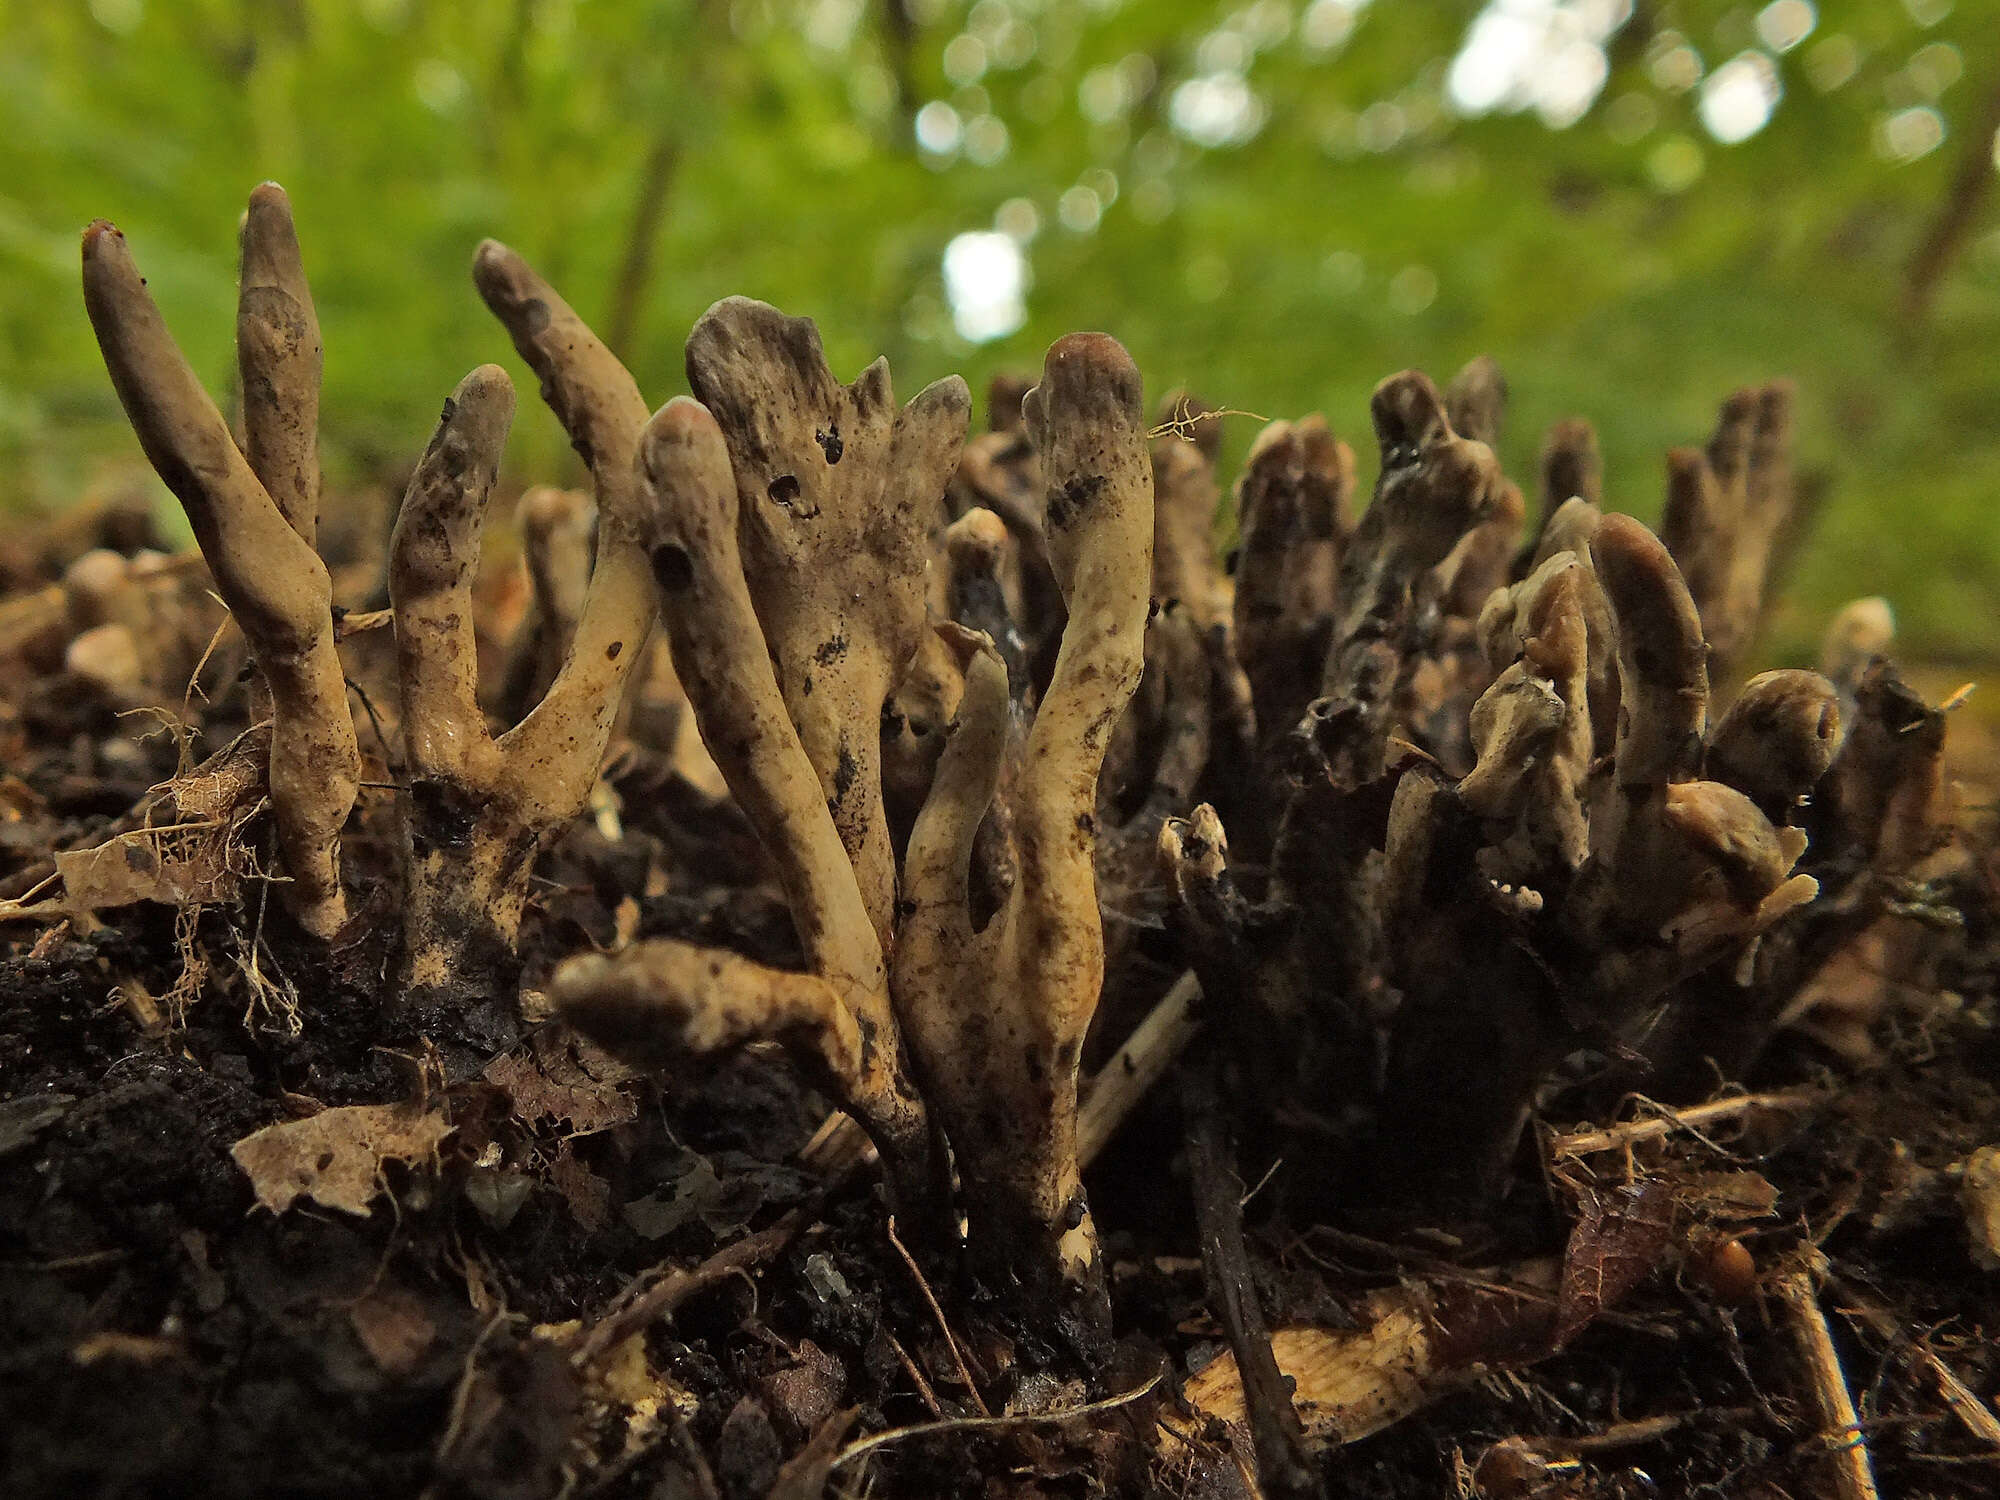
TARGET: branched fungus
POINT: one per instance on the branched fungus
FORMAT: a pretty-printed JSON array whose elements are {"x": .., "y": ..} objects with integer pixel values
[
  {"x": 258, "y": 548},
  {"x": 1570, "y": 854},
  {"x": 482, "y": 808},
  {"x": 1515, "y": 831},
  {"x": 968, "y": 1033},
  {"x": 479, "y": 809}
]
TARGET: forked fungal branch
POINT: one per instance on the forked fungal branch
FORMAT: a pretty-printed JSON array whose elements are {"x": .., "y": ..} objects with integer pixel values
[
  {"x": 483, "y": 807},
  {"x": 254, "y": 521},
  {"x": 970, "y": 1033},
  {"x": 479, "y": 809}
]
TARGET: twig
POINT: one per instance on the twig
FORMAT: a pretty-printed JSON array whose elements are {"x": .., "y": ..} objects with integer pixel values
[
  {"x": 1617, "y": 1137},
  {"x": 923, "y": 1286},
  {"x": 1147, "y": 1054},
  {"x": 353, "y": 622},
  {"x": 22, "y": 909},
  {"x": 692, "y": 1456},
  {"x": 51, "y": 910},
  {"x": 1964, "y": 1403},
  {"x": 1854, "y": 1474},
  {"x": 81, "y": 1262},
  {"x": 916, "y": 1375},
  {"x": 839, "y": 1145},
  {"x": 461, "y": 1396},
  {"x": 1183, "y": 420},
  {"x": 991, "y": 1424},
  {"x": 611, "y": 1330},
  {"x": 804, "y": 1475},
  {"x": 1276, "y": 1436},
  {"x": 1636, "y": 1433}
]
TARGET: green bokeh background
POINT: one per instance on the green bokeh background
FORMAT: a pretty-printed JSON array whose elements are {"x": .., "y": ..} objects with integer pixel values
[{"x": 1627, "y": 267}]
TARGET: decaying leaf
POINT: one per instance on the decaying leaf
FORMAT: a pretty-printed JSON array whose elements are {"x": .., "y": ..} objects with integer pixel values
[
  {"x": 394, "y": 1328},
  {"x": 697, "y": 1192},
  {"x": 1726, "y": 1197},
  {"x": 149, "y": 864},
  {"x": 564, "y": 1079},
  {"x": 197, "y": 859},
  {"x": 1621, "y": 1234},
  {"x": 1979, "y": 1190},
  {"x": 335, "y": 1157},
  {"x": 588, "y": 1195}
]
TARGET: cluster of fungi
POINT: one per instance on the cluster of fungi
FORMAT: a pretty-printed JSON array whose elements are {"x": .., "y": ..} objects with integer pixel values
[{"x": 1413, "y": 814}]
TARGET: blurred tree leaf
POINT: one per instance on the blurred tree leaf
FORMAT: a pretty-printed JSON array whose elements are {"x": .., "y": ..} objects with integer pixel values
[{"x": 1275, "y": 202}]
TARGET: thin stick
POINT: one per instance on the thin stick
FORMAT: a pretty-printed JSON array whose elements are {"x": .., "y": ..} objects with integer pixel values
[
  {"x": 461, "y": 1396},
  {"x": 916, "y": 1375},
  {"x": 52, "y": 910},
  {"x": 937, "y": 1312},
  {"x": 24, "y": 908},
  {"x": 611, "y": 1330},
  {"x": 355, "y": 621},
  {"x": 1636, "y": 1433},
  {"x": 1277, "y": 1439},
  {"x": 692, "y": 1456},
  {"x": 1183, "y": 420},
  {"x": 804, "y": 1475},
  {"x": 1958, "y": 1396},
  {"x": 1147, "y": 1054},
  {"x": 1108, "y": 1099},
  {"x": 991, "y": 1424},
  {"x": 1854, "y": 1474},
  {"x": 1618, "y": 1137}
]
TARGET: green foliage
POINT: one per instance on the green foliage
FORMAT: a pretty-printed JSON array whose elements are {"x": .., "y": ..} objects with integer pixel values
[{"x": 1626, "y": 267}]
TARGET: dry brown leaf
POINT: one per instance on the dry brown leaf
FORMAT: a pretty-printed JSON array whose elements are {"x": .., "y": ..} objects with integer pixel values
[
  {"x": 1979, "y": 1190},
  {"x": 335, "y": 1157},
  {"x": 147, "y": 864},
  {"x": 196, "y": 861},
  {"x": 552, "y": 1082},
  {"x": 394, "y": 1328},
  {"x": 588, "y": 1195},
  {"x": 1347, "y": 1383},
  {"x": 1621, "y": 1234},
  {"x": 1726, "y": 1197}
]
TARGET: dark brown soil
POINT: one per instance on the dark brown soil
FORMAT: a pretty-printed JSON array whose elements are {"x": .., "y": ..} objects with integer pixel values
[{"x": 161, "y": 1335}]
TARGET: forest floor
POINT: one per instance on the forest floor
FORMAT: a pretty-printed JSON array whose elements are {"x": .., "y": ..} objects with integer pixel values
[{"x": 490, "y": 1262}]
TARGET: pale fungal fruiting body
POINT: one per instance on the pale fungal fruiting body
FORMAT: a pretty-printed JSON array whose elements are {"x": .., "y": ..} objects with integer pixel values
[
  {"x": 1486, "y": 816},
  {"x": 1727, "y": 507},
  {"x": 968, "y": 1033},
  {"x": 478, "y": 809},
  {"x": 557, "y": 532},
  {"x": 661, "y": 998},
  {"x": 1561, "y": 850},
  {"x": 482, "y": 808},
  {"x": 264, "y": 565},
  {"x": 1038, "y": 966},
  {"x": 1295, "y": 509},
  {"x": 1584, "y": 895},
  {"x": 836, "y": 485}
]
